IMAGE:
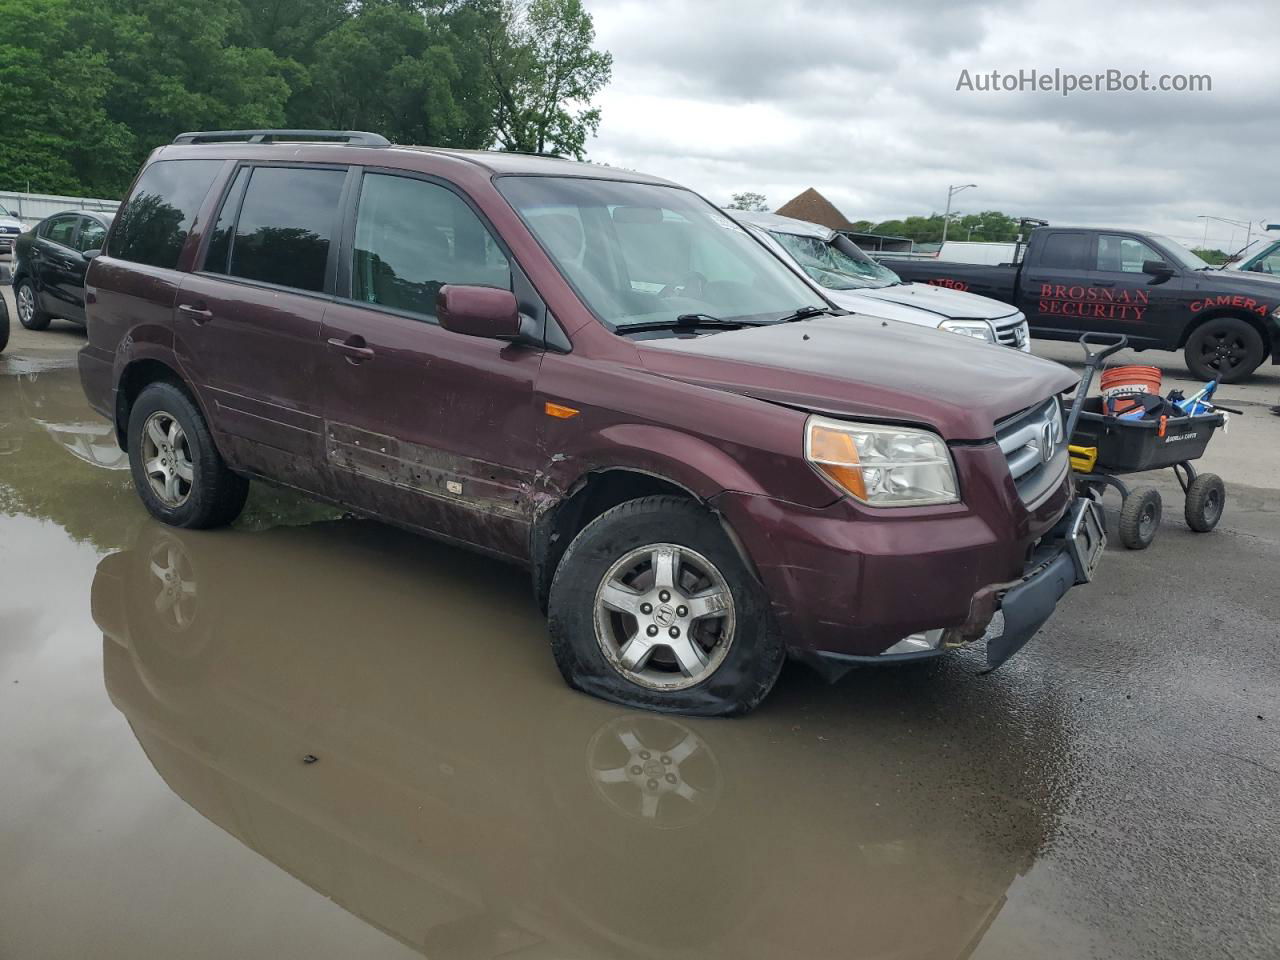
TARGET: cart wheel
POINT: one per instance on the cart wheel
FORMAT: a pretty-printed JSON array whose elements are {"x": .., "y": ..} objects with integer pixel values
[
  {"x": 1206, "y": 497},
  {"x": 1140, "y": 518}
]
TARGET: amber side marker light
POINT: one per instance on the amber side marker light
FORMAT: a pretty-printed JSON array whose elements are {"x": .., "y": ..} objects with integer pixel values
[{"x": 561, "y": 412}]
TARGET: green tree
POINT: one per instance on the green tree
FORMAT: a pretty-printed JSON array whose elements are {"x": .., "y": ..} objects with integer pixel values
[
  {"x": 544, "y": 71},
  {"x": 749, "y": 200}
]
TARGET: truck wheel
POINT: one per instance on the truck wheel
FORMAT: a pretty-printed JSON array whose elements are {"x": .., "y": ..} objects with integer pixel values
[
  {"x": 1226, "y": 349},
  {"x": 29, "y": 313},
  {"x": 1140, "y": 518},
  {"x": 1206, "y": 497},
  {"x": 176, "y": 468},
  {"x": 652, "y": 607}
]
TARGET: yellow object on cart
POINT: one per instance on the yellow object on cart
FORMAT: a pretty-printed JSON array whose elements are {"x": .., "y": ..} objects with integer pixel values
[{"x": 1083, "y": 459}]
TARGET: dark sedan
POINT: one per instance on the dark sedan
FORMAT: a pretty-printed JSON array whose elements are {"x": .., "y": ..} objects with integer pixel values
[{"x": 50, "y": 264}]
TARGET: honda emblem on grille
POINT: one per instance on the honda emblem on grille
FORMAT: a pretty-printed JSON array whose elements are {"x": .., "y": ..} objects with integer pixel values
[{"x": 1047, "y": 432}]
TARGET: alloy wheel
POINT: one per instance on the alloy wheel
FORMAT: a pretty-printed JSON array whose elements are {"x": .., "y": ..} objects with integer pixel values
[
  {"x": 664, "y": 616},
  {"x": 166, "y": 459}
]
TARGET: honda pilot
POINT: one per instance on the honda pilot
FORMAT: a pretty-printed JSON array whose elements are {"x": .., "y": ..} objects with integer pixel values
[{"x": 705, "y": 466}]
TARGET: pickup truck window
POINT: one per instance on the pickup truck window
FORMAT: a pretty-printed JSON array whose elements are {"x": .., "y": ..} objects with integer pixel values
[
  {"x": 1118, "y": 254},
  {"x": 602, "y": 236},
  {"x": 413, "y": 237},
  {"x": 1066, "y": 251}
]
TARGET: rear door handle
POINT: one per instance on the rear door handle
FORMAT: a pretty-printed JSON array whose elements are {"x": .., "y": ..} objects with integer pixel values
[
  {"x": 196, "y": 313},
  {"x": 353, "y": 348}
]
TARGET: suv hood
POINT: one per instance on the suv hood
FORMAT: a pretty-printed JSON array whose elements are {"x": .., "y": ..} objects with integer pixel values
[
  {"x": 947, "y": 304},
  {"x": 865, "y": 367}
]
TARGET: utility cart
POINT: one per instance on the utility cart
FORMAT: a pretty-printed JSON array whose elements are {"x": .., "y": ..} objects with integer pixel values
[{"x": 1103, "y": 448}]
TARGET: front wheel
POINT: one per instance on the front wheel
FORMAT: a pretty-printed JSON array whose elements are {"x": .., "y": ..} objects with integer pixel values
[
  {"x": 1206, "y": 496},
  {"x": 176, "y": 468},
  {"x": 1140, "y": 518},
  {"x": 30, "y": 315},
  {"x": 1226, "y": 349},
  {"x": 653, "y": 607},
  {"x": 4, "y": 324}
]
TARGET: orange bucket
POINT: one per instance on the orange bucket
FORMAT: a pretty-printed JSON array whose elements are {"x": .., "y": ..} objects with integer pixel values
[{"x": 1118, "y": 383}]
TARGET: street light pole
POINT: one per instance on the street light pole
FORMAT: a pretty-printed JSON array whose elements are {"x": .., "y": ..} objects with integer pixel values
[
  {"x": 1248, "y": 225},
  {"x": 951, "y": 192}
]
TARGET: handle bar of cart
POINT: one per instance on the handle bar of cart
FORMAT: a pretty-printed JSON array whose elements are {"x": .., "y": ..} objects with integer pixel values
[{"x": 1092, "y": 361}]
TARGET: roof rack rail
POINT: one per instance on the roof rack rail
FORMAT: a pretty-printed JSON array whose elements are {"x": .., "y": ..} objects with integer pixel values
[{"x": 353, "y": 137}]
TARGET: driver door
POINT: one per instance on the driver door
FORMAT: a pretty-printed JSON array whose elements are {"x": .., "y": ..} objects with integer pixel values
[{"x": 1121, "y": 299}]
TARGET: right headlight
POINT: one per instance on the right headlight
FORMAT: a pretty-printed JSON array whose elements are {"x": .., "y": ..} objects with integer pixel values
[
  {"x": 882, "y": 466},
  {"x": 978, "y": 329}
]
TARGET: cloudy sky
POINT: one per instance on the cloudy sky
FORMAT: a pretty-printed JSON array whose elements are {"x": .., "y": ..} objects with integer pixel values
[{"x": 859, "y": 100}]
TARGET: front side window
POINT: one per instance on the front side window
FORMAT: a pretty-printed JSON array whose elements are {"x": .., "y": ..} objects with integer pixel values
[
  {"x": 833, "y": 266},
  {"x": 1123, "y": 254},
  {"x": 412, "y": 238},
  {"x": 642, "y": 253},
  {"x": 61, "y": 230},
  {"x": 1267, "y": 264},
  {"x": 286, "y": 223},
  {"x": 153, "y": 226},
  {"x": 92, "y": 235}
]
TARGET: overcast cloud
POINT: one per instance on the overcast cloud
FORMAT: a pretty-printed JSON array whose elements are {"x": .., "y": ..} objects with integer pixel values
[{"x": 859, "y": 100}]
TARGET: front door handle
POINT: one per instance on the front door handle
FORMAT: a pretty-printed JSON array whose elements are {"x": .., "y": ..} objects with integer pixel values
[
  {"x": 353, "y": 348},
  {"x": 196, "y": 313},
  {"x": 1103, "y": 283}
]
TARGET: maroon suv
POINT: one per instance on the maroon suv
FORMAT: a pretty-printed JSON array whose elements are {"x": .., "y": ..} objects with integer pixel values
[{"x": 591, "y": 373}]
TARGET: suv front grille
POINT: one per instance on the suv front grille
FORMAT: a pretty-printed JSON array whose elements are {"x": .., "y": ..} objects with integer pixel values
[
  {"x": 1034, "y": 443},
  {"x": 1013, "y": 332}
]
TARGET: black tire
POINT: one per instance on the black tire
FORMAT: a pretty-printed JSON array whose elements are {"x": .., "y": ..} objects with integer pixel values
[
  {"x": 4, "y": 325},
  {"x": 38, "y": 320},
  {"x": 214, "y": 496},
  {"x": 1206, "y": 498},
  {"x": 1226, "y": 349},
  {"x": 1140, "y": 517},
  {"x": 755, "y": 652}
]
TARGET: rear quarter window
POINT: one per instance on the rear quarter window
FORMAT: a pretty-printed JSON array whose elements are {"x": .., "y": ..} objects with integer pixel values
[{"x": 155, "y": 221}]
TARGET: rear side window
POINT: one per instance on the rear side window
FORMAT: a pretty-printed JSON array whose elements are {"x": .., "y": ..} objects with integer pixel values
[
  {"x": 1066, "y": 251},
  {"x": 155, "y": 222},
  {"x": 61, "y": 230},
  {"x": 284, "y": 228},
  {"x": 412, "y": 237}
]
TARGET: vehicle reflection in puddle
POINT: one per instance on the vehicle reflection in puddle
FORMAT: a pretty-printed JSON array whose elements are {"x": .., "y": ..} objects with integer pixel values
[{"x": 379, "y": 716}]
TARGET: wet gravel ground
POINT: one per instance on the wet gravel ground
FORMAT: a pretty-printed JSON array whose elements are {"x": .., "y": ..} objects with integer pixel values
[{"x": 317, "y": 737}]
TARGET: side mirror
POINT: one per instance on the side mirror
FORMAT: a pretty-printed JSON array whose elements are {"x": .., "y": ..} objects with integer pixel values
[
  {"x": 1157, "y": 268},
  {"x": 90, "y": 254},
  {"x": 478, "y": 311}
]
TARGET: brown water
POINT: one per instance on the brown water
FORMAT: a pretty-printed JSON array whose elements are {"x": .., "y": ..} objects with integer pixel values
[{"x": 319, "y": 737}]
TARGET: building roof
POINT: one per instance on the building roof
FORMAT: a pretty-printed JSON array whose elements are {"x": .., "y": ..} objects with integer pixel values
[{"x": 813, "y": 207}]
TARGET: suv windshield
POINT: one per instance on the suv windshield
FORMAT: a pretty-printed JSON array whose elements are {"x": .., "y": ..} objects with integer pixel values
[
  {"x": 836, "y": 264},
  {"x": 639, "y": 253}
]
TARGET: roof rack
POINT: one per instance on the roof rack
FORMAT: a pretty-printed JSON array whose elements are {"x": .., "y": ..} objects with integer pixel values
[{"x": 353, "y": 137}]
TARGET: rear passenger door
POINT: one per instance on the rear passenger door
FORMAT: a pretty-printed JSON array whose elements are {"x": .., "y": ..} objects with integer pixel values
[
  {"x": 1053, "y": 284},
  {"x": 55, "y": 263},
  {"x": 424, "y": 426},
  {"x": 247, "y": 322}
]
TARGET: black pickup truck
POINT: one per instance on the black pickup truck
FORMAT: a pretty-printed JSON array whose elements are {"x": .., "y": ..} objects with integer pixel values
[{"x": 1072, "y": 280}]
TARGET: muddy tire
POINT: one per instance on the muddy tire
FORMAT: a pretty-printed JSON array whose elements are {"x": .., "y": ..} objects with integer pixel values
[
  {"x": 653, "y": 607},
  {"x": 1226, "y": 349},
  {"x": 1140, "y": 518},
  {"x": 177, "y": 470},
  {"x": 29, "y": 313},
  {"x": 1206, "y": 498}
]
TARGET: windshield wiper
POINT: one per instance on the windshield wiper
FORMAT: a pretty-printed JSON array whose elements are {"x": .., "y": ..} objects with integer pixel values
[
  {"x": 805, "y": 313},
  {"x": 689, "y": 321}
]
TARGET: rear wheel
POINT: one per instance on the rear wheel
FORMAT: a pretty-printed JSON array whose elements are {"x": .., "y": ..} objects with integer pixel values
[
  {"x": 176, "y": 468},
  {"x": 1140, "y": 518},
  {"x": 653, "y": 607},
  {"x": 1206, "y": 497},
  {"x": 30, "y": 315},
  {"x": 1226, "y": 349},
  {"x": 4, "y": 324}
]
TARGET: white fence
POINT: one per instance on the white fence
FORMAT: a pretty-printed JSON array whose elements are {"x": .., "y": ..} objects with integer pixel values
[{"x": 31, "y": 207}]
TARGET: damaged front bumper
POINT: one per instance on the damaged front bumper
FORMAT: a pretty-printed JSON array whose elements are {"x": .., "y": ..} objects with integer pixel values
[{"x": 1005, "y": 615}]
